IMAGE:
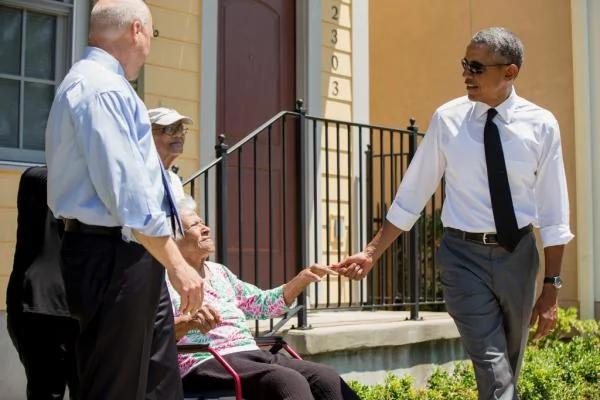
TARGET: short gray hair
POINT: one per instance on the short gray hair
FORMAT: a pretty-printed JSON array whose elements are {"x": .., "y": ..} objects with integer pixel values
[
  {"x": 187, "y": 205},
  {"x": 109, "y": 18},
  {"x": 503, "y": 42}
]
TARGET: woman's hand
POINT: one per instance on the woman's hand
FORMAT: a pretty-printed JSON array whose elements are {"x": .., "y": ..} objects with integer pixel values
[
  {"x": 296, "y": 285},
  {"x": 206, "y": 319}
]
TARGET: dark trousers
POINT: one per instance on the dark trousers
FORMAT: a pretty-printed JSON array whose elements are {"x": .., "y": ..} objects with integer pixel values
[
  {"x": 267, "y": 376},
  {"x": 489, "y": 293},
  {"x": 113, "y": 289},
  {"x": 46, "y": 347}
]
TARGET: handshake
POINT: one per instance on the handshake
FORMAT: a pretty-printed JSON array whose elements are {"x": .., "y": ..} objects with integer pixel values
[{"x": 355, "y": 267}]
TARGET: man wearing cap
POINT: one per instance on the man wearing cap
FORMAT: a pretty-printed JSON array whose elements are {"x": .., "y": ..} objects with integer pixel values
[
  {"x": 106, "y": 181},
  {"x": 169, "y": 130}
]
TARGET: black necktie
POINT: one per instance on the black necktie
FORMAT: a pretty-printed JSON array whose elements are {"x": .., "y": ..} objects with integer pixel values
[
  {"x": 507, "y": 229},
  {"x": 176, "y": 224}
]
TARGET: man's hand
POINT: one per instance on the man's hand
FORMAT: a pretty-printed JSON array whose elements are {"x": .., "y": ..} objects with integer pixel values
[
  {"x": 185, "y": 279},
  {"x": 545, "y": 312},
  {"x": 356, "y": 266},
  {"x": 190, "y": 286},
  {"x": 206, "y": 319}
]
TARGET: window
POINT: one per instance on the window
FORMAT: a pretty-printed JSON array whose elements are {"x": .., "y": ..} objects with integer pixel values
[{"x": 35, "y": 43}]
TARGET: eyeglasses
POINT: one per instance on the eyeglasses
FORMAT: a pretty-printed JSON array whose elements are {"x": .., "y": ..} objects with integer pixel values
[
  {"x": 196, "y": 224},
  {"x": 477, "y": 68},
  {"x": 171, "y": 130}
]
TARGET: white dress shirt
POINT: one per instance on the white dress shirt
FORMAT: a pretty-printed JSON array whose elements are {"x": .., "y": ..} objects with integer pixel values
[
  {"x": 176, "y": 186},
  {"x": 453, "y": 148}
]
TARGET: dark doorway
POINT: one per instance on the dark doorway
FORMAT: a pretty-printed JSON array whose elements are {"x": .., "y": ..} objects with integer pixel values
[{"x": 256, "y": 80}]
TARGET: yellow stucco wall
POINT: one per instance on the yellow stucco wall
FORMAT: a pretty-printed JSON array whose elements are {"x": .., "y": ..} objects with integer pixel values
[
  {"x": 9, "y": 184},
  {"x": 172, "y": 71},
  {"x": 415, "y": 48},
  {"x": 336, "y": 100}
]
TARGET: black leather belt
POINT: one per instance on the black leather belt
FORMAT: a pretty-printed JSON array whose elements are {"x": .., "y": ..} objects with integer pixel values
[
  {"x": 483, "y": 238},
  {"x": 73, "y": 225}
]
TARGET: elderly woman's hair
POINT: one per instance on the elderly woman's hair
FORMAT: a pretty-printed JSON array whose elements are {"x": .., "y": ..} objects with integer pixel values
[
  {"x": 503, "y": 42},
  {"x": 186, "y": 205},
  {"x": 110, "y": 18}
]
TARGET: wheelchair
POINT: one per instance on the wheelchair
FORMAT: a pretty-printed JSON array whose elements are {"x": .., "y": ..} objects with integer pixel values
[{"x": 274, "y": 343}]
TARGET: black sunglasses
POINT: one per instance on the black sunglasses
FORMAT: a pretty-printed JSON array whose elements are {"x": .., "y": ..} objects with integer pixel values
[{"x": 477, "y": 68}]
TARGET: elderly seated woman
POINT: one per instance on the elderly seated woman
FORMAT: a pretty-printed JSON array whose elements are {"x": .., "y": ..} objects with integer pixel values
[{"x": 221, "y": 323}]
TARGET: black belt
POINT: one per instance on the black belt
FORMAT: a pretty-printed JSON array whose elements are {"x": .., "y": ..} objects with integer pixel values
[
  {"x": 483, "y": 238},
  {"x": 73, "y": 225}
]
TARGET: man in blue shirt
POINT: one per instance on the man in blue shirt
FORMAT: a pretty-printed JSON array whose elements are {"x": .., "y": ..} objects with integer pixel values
[{"x": 106, "y": 181}]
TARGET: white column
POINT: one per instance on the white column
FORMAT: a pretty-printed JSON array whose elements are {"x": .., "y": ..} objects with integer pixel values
[
  {"x": 360, "y": 61},
  {"x": 588, "y": 190},
  {"x": 81, "y": 13},
  {"x": 208, "y": 99},
  {"x": 361, "y": 100},
  {"x": 594, "y": 58}
]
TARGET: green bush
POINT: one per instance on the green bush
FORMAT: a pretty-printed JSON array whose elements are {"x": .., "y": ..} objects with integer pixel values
[{"x": 565, "y": 365}]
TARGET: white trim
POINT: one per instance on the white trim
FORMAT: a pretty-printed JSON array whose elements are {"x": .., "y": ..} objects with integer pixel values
[
  {"x": 208, "y": 81},
  {"x": 44, "y": 6},
  {"x": 17, "y": 166},
  {"x": 308, "y": 88},
  {"x": 593, "y": 17},
  {"x": 360, "y": 110},
  {"x": 81, "y": 17},
  {"x": 312, "y": 34},
  {"x": 208, "y": 92},
  {"x": 360, "y": 61},
  {"x": 584, "y": 164}
]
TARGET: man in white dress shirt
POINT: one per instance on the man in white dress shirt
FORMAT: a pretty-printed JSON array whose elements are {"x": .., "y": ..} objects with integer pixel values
[{"x": 502, "y": 162}]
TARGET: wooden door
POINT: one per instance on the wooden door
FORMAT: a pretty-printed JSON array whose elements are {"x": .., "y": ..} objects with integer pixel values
[{"x": 256, "y": 80}]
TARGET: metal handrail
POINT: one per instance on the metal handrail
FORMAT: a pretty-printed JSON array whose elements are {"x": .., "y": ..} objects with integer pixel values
[
  {"x": 366, "y": 126},
  {"x": 202, "y": 170},
  {"x": 239, "y": 144},
  {"x": 260, "y": 129}
]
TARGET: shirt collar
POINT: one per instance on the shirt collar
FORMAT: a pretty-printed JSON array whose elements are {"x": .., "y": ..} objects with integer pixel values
[
  {"x": 505, "y": 109},
  {"x": 104, "y": 58}
]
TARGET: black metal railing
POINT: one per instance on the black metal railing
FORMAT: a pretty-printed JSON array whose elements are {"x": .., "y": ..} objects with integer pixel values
[
  {"x": 362, "y": 168},
  {"x": 301, "y": 189}
]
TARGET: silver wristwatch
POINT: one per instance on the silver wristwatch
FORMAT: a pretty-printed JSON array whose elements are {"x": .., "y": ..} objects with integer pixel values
[{"x": 555, "y": 281}]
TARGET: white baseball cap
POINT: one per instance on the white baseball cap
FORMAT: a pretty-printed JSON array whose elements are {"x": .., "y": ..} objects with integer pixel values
[{"x": 167, "y": 116}]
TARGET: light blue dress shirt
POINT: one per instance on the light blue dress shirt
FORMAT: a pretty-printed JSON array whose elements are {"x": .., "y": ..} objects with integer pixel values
[{"x": 103, "y": 167}]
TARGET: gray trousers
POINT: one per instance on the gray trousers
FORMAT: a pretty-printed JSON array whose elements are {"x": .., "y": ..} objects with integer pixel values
[{"x": 490, "y": 293}]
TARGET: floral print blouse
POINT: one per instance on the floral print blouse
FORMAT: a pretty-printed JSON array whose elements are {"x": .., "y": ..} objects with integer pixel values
[{"x": 235, "y": 301}]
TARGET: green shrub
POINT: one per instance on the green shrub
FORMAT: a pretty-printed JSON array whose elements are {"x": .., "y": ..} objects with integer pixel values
[
  {"x": 564, "y": 365},
  {"x": 394, "y": 388},
  {"x": 457, "y": 385}
]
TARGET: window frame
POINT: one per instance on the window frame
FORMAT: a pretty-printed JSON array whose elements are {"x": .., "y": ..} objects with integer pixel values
[{"x": 63, "y": 50}]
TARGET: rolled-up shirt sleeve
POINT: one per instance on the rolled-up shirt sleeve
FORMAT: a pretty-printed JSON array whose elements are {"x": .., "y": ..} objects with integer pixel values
[
  {"x": 552, "y": 199},
  {"x": 116, "y": 165},
  {"x": 421, "y": 179}
]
